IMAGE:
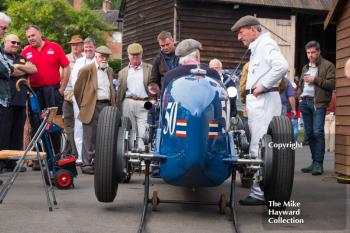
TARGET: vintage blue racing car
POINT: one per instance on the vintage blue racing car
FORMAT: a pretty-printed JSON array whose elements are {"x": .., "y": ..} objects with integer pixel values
[{"x": 196, "y": 143}]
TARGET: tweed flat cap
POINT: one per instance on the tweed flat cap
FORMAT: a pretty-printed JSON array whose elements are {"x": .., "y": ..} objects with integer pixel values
[
  {"x": 245, "y": 21},
  {"x": 186, "y": 47},
  {"x": 103, "y": 50},
  {"x": 135, "y": 48}
]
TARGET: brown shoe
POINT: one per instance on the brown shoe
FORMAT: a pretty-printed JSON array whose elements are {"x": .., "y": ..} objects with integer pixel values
[
  {"x": 87, "y": 170},
  {"x": 1, "y": 182}
]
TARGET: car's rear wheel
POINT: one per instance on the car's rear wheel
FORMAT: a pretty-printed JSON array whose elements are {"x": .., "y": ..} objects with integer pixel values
[
  {"x": 279, "y": 162},
  {"x": 123, "y": 169}
]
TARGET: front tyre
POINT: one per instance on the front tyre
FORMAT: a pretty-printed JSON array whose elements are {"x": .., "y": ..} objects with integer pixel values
[{"x": 105, "y": 159}]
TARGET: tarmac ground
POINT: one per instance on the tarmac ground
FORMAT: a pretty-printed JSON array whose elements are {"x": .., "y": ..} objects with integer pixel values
[{"x": 319, "y": 204}]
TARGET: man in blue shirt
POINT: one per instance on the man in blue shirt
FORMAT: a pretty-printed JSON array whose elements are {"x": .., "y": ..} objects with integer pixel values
[
  {"x": 289, "y": 105},
  {"x": 288, "y": 98}
]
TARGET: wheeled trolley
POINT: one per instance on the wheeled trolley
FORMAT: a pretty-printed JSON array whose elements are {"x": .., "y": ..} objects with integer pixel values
[
  {"x": 29, "y": 154},
  {"x": 61, "y": 168}
]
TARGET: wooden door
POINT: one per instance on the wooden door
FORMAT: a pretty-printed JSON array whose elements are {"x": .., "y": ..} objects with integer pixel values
[{"x": 283, "y": 32}]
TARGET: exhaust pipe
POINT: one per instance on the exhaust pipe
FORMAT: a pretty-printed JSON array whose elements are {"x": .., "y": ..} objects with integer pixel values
[{"x": 148, "y": 105}]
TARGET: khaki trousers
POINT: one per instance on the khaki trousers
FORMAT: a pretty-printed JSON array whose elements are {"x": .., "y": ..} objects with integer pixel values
[
  {"x": 329, "y": 133},
  {"x": 135, "y": 111}
]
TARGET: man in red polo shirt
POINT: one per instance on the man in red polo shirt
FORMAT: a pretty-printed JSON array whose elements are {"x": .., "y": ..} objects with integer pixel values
[
  {"x": 47, "y": 83},
  {"x": 48, "y": 57}
]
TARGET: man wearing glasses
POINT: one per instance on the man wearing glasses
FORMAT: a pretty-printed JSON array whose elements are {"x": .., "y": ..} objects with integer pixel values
[
  {"x": 5, "y": 73},
  {"x": 15, "y": 115}
]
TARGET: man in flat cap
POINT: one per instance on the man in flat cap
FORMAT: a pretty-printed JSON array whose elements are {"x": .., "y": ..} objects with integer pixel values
[
  {"x": 267, "y": 67},
  {"x": 76, "y": 44},
  {"x": 188, "y": 52},
  {"x": 93, "y": 91},
  {"x": 132, "y": 91}
]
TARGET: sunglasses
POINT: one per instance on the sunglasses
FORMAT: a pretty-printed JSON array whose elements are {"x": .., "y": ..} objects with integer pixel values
[{"x": 15, "y": 42}]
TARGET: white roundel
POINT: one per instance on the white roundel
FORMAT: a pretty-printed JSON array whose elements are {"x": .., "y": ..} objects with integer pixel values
[{"x": 232, "y": 92}]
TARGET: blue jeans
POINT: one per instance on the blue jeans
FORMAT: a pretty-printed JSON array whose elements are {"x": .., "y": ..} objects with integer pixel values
[{"x": 314, "y": 119}]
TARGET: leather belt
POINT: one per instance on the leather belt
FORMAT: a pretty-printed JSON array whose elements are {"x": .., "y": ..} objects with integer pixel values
[
  {"x": 308, "y": 97},
  {"x": 250, "y": 91},
  {"x": 137, "y": 98},
  {"x": 104, "y": 101}
]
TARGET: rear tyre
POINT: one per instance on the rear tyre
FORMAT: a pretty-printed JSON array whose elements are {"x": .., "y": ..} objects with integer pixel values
[
  {"x": 279, "y": 186},
  {"x": 105, "y": 159},
  {"x": 266, "y": 153},
  {"x": 123, "y": 169}
]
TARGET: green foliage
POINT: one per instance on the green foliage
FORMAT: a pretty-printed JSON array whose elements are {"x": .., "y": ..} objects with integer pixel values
[
  {"x": 2, "y": 5},
  {"x": 115, "y": 64},
  {"x": 56, "y": 19},
  {"x": 97, "y": 4}
]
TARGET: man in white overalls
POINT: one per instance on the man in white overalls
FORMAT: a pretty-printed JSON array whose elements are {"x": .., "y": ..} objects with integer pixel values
[{"x": 267, "y": 67}]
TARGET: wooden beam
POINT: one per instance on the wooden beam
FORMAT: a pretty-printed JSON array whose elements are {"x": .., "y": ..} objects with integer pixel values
[
  {"x": 8, "y": 154},
  {"x": 342, "y": 139},
  {"x": 343, "y": 150},
  {"x": 342, "y": 159},
  {"x": 331, "y": 14},
  {"x": 342, "y": 169}
]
